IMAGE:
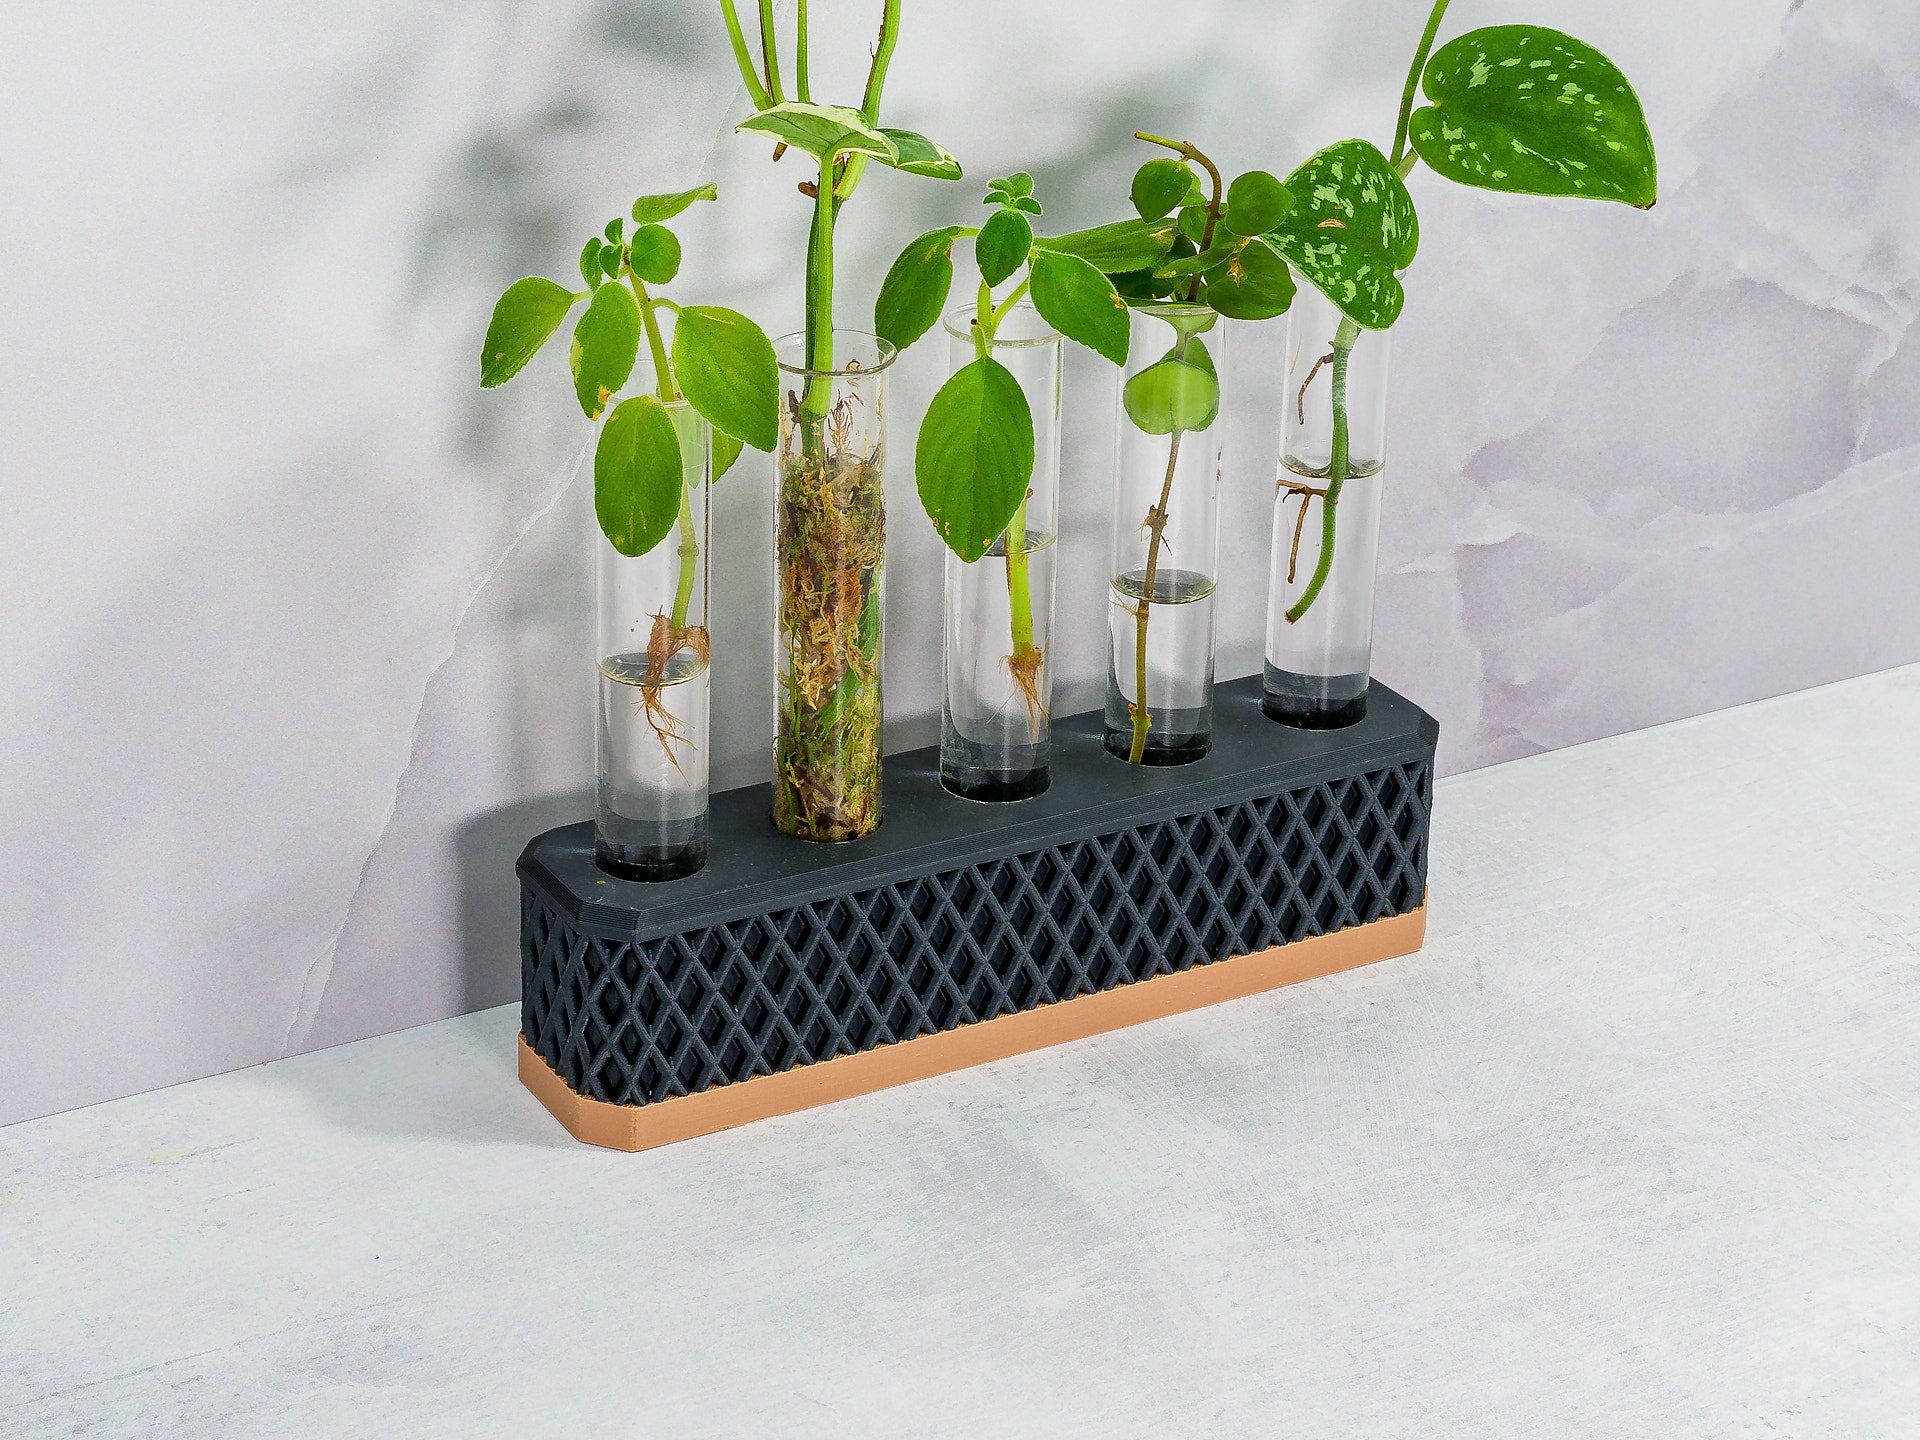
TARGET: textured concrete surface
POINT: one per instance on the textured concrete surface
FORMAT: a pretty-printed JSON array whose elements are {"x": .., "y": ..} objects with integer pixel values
[
  {"x": 1631, "y": 1149},
  {"x": 293, "y": 617}
]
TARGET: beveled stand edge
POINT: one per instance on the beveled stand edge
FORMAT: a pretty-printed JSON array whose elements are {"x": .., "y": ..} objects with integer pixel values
[{"x": 642, "y": 1127}]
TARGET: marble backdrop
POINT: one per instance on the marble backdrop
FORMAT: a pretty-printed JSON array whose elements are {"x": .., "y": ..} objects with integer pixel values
[{"x": 293, "y": 618}]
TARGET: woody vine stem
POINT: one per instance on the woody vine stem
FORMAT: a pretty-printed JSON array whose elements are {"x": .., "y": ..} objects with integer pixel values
[{"x": 1156, "y": 521}]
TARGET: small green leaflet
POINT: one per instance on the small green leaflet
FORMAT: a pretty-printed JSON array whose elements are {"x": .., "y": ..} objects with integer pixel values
[
  {"x": 1254, "y": 284},
  {"x": 652, "y": 209},
  {"x": 1256, "y": 202},
  {"x": 915, "y": 290},
  {"x": 1002, "y": 245},
  {"x": 1351, "y": 229},
  {"x": 1529, "y": 110},
  {"x": 636, "y": 475},
  {"x": 1158, "y": 186},
  {"x": 590, "y": 262},
  {"x": 823, "y": 131},
  {"x": 655, "y": 255},
  {"x": 1174, "y": 393},
  {"x": 605, "y": 344},
  {"x": 1077, "y": 300},
  {"x": 974, "y": 457},
  {"x": 1116, "y": 249},
  {"x": 726, "y": 369},
  {"x": 523, "y": 320},
  {"x": 917, "y": 155}
]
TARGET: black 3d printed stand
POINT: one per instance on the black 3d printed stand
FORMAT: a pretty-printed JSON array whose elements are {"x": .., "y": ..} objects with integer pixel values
[{"x": 788, "y": 974}]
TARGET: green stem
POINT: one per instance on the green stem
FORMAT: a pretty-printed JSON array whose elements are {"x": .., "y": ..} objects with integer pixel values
[
  {"x": 1157, "y": 523},
  {"x": 819, "y": 394},
  {"x": 876, "y": 82},
  {"x": 803, "y": 91},
  {"x": 689, "y": 559},
  {"x": 743, "y": 57},
  {"x": 1018, "y": 293},
  {"x": 662, "y": 370},
  {"x": 1025, "y": 659},
  {"x": 1413, "y": 81},
  {"x": 770, "y": 51},
  {"x": 1339, "y": 463}
]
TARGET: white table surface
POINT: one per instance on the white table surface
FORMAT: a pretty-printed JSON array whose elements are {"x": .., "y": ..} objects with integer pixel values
[{"x": 1632, "y": 1148}]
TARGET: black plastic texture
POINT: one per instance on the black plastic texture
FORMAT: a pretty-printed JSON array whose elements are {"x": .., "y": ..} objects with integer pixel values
[{"x": 783, "y": 952}]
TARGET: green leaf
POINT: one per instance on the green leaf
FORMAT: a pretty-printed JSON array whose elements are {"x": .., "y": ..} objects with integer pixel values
[
  {"x": 616, "y": 228},
  {"x": 1174, "y": 394},
  {"x": 823, "y": 131},
  {"x": 652, "y": 209},
  {"x": 917, "y": 155},
  {"x": 1253, "y": 284},
  {"x": 1529, "y": 110},
  {"x": 605, "y": 344},
  {"x": 1158, "y": 186},
  {"x": 975, "y": 456},
  {"x": 655, "y": 255},
  {"x": 610, "y": 258},
  {"x": 636, "y": 475},
  {"x": 726, "y": 368},
  {"x": 1077, "y": 300},
  {"x": 1027, "y": 205},
  {"x": 1352, "y": 227},
  {"x": 1192, "y": 221},
  {"x": 1018, "y": 184},
  {"x": 590, "y": 262},
  {"x": 1117, "y": 248},
  {"x": 1003, "y": 245},
  {"x": 1256, "y": 202},
  {"x": 523, "y": 319},
  {"x": 915, "y": 290},
  {"x": 726, "y": 450}
]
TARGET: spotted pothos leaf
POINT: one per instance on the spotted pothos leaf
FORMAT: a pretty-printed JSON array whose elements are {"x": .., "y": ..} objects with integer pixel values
[
  {"x": 1351, "y": 228},
  {"x": 1529, "y": 110}
]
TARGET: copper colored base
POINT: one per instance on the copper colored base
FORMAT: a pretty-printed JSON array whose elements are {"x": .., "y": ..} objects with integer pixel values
[{"x": 641, "y": 1127}]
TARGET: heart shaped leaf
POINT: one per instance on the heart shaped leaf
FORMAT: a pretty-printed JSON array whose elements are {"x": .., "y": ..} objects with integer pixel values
[
  {"x": 823, "y": 131},
  {"x": 726, "y": 369},
  {"x": 916, "y": 288},
  {"x": 1529, "y": 110},
  {"x": 636, "y": 475},
  {"x": 1115, "y": 249},
  {"x": 1077, "y": 300},
  {"x": 1252, "y": 284},
  {"x": 974, "y": 457},
  {"x": 523, "y": 320},
  {"x": 917, "y": 155},
  {"x": 1003, "y": 245},
  {"x": 1352, "y": 227},
  {"x": 590, "y": 270},
  {"x": 605, "y": 344},
  {"x": 652, "y": 209},
  {"x": 1174, "y": 393}
]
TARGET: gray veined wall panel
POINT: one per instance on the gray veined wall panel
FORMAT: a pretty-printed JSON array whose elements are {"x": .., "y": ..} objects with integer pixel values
[{"x": 290, "y": 613}]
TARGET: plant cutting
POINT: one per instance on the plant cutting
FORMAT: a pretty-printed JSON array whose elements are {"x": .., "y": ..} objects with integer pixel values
[
  {"x": 986, "y": 463},
  {"x": 697, "y": 402},
  {"x": 1514, "y": 108},
  {"x": 1219, "y": 265},
  {"x": 829, "y": 526}
]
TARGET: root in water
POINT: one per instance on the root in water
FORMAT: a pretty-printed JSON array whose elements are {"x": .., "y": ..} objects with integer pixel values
[
  {"x": 1024, "y": 665},
  {"x": 663, "y": 644}
]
